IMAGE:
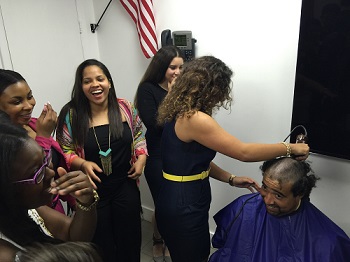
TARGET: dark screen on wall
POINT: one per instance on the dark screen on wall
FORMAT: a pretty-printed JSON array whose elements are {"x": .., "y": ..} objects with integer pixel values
[{"x": 322, "y": 85}]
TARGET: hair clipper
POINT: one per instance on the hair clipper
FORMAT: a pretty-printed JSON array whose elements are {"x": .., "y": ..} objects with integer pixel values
[{"x": 301, "y": 138}]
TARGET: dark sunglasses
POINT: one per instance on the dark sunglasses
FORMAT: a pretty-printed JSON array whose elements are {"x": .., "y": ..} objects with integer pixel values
[{"x": 40, "y": 174}]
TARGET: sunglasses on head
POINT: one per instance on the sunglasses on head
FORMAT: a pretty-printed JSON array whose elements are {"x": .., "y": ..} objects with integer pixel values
[{"x": 40, "y": 174}]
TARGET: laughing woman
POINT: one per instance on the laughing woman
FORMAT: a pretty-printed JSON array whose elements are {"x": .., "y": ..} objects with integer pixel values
[{"x": 102, "y": 136}]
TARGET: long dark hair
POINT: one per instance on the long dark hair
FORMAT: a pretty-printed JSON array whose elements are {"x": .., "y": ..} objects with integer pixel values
[
  {"x": 79, "y": 107},
  {"x": 158, "y": 66},
  {"x": 15, "y": 223},
  {"x": 9, "y": 77}
]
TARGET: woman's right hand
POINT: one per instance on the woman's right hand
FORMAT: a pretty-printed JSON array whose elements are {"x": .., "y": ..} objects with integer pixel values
[
  {"x": 171, "y": 84},
  {"x": 88, "y": 167},
  {"x": 46, "y": 122},
  {"x": 300, "y": 150}
]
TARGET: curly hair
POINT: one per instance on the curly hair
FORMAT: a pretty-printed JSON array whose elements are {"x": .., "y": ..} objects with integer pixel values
[
  {"x": 204, "y": 85},
  {"x": 287, "y": 169}
]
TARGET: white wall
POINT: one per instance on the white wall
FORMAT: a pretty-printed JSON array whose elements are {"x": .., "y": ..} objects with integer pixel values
[
  {"x": 257, "y": 39},
  {"x": 119, "y": 47},
  {"x": 45, "y": 40}
]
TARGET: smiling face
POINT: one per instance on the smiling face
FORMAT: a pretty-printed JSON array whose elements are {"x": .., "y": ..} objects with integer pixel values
[
  {"x": 95, "y": 85},
  {"x": 18, "y": 102},
  {"x": 174, "y": 69},
  {"x": 278, "y": 197},
  {"x": 28, "y": 162}
]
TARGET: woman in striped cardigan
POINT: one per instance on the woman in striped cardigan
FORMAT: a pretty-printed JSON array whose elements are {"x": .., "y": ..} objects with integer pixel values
[{"x": 102, "y": 136}]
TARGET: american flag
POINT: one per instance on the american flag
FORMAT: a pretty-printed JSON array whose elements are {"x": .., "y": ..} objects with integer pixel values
[{"x": 141, "y": 11}]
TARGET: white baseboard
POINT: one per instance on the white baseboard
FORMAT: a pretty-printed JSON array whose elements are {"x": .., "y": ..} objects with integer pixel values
[{"x": 147, "y": 213}]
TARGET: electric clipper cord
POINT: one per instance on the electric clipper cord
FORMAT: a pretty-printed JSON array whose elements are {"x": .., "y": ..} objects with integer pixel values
[{"x": 301, "y": 138}]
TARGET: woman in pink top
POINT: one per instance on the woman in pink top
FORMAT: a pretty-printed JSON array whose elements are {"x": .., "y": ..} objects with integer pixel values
[{"x": 17, "y": 100}]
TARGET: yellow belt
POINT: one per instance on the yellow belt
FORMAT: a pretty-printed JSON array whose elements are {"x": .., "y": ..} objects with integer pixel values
[{"x": 201, "y": 176}]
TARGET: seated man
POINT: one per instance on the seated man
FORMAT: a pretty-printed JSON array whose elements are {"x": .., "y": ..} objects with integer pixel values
[{"x": 279, "y": 223}]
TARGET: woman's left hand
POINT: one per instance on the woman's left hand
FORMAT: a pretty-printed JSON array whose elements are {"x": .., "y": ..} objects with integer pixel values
[
  {"x": 137, "y": 168},
  {"x": 246, "y": 182}
]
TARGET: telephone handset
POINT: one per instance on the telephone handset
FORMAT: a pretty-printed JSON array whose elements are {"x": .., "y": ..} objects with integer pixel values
[
  {"x": 182, "y": 39},
  {"x": 166, "y": 38}
]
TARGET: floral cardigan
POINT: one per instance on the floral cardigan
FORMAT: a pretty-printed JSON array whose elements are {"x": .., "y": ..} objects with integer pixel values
[{"x": 138, "y": 147}]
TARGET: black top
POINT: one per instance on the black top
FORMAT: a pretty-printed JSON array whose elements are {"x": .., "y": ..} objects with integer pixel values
[
  {"x": 183, "y": 159},
  {"x": 121, "y": 151},
  {"x": 149, "y": 97}
]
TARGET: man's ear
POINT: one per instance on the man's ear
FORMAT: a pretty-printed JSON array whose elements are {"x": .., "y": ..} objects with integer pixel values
[{"x": 300, "y": 197}]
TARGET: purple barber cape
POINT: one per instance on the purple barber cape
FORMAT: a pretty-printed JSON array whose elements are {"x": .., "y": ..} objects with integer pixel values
[{"x": 246, "y": 232}]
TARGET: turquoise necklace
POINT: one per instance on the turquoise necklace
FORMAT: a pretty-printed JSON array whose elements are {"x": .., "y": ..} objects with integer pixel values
[{"x": 105, "y": 156}]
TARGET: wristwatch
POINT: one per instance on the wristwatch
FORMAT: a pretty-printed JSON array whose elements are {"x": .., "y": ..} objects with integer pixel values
[{"x": 230, "y": 180}]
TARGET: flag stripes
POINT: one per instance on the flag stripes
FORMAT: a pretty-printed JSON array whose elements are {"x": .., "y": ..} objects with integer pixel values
[{"x": 141, "y": 12}]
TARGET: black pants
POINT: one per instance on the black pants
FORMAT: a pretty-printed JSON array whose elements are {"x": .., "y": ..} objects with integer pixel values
[
  {"x": 118, "y": 232},
  {"x": 182, "y": 217},
  {"x": 154, "y": 175}
]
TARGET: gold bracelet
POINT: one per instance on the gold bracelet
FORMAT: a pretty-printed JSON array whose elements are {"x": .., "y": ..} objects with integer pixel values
[
  {"x": 289, "y": 149},
  {"x": 88, "y": 208},
  {"x": 230, "y": 180}
]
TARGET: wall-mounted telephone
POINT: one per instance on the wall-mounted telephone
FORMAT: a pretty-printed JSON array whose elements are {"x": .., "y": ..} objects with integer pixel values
[{"x": 181, "y": 39}]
